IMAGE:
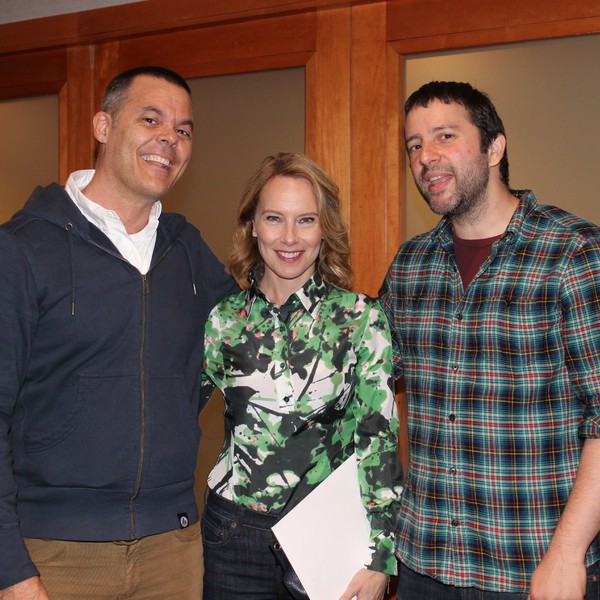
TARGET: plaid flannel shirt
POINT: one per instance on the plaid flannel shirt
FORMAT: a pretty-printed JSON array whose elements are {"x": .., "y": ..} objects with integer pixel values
[{"x": 502, "y": 381}]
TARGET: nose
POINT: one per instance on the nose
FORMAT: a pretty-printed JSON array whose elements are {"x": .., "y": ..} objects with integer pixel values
[
  {"x": 428, "y": 154},
  {"x": 167, "y": 135},
  {"x": 290, "y": 235}
]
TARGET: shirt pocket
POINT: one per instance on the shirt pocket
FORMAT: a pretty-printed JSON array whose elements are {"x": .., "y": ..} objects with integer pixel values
[{"x": 527, "y": 336}]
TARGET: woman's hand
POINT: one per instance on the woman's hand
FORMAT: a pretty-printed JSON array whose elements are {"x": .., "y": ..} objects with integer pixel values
[{"x": 366, "y": 585}]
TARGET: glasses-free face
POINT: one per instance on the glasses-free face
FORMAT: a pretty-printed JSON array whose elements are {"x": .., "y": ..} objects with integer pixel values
[
  {"x": 444, "y": 149},
  {"x": 148, "y": 143},
  {"x": 288, "y": 232}
]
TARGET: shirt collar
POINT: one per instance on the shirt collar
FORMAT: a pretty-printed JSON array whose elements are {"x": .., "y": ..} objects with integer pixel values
[
  {"x": 527, "y": 203},
  {"x": 101, "y": 217},
  {"x": 308, "y": 297}
]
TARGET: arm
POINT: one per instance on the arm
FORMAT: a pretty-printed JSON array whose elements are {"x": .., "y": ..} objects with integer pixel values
[
  {"x": 376, "y": 444},
  {"x": 389, "y": 303},
  {"x": 561, "y": 575},
  {"x": 17, "y": 320}
]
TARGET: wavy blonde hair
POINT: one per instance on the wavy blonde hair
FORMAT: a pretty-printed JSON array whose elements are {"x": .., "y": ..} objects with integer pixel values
[{"x": 333, "y": 262}]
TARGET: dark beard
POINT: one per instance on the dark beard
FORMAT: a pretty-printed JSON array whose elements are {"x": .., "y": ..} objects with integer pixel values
[{"x": 471, "y": 191}]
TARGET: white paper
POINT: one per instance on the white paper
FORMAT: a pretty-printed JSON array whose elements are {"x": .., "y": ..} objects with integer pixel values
[{"x": 326, "y": 536}]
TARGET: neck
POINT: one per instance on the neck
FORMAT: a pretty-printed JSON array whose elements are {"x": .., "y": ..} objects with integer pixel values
[
  {"x": 133, "y": 214},
  {"x": 278, "y": 290},
  {"x": 491, "y": 220}
]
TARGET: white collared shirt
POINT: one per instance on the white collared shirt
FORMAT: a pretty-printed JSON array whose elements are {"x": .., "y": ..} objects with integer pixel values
[{"x": 136, "y": 248}]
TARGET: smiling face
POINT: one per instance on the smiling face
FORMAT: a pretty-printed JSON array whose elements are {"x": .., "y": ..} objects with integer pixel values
[
  {"x": 147, "y": 145},
  {"x": 446, "y": 160},
  {"x": 287, "y": 229}
]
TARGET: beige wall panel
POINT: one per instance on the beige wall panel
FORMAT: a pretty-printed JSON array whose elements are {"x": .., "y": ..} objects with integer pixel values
[{"x": 29, "y": 149}]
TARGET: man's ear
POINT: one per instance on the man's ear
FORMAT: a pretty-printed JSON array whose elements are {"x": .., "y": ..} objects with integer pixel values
[
  {"x": 102, "y": 122},
  {"x": 496, "y": 150}
]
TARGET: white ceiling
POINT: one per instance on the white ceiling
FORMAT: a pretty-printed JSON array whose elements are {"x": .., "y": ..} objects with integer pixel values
[{"x": 23, "y": 10}]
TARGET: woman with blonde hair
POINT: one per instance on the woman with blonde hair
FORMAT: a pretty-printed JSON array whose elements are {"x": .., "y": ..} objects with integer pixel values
[{"x": 305, "y": 370}]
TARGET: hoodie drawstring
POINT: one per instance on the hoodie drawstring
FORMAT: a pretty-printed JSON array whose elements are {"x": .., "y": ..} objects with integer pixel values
[{"x": 189, "y": 258}]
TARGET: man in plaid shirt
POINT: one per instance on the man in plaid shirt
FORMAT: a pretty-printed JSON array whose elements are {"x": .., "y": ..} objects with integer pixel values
[{"x": 496, "y": 316}]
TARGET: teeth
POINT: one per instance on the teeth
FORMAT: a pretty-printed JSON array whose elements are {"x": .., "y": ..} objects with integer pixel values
[
  {"x": 156, "y": 158},
  {"x": 290, "y": 254}
]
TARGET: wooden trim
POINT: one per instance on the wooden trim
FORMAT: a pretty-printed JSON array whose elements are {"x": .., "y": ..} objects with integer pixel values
[
  {"x": 395, "y": 158},
  {"x": 149, "y": 17},
  {"x": 330, "y": 78},
  {"x": 275, "y": 42},
  {"x": 76, "y": 109},
  {"x": 528, "y": 19},
  {"x": 369, "y": 147},
  {"x": 32, "y": 74}
]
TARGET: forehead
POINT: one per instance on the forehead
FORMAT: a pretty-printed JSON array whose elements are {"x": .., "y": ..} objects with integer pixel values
[
  {"x": 146, "y": 90},
  {"x": 421, "y": 120},
  {"x": 285, "y": 189}
]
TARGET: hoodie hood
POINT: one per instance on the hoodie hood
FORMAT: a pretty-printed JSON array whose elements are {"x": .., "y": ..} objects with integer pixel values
[{"x": 53, "y": 205}]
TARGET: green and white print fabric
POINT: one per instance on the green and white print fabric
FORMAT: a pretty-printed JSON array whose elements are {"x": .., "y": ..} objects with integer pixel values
[{"x": 305, "y": 385}]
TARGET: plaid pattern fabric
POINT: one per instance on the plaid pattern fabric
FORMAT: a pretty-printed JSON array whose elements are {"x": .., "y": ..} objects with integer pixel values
[{"x": 502, "y": 381}]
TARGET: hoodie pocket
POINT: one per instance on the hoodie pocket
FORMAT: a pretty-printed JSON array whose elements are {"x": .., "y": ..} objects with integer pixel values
[{"x": 91, "y": 439}]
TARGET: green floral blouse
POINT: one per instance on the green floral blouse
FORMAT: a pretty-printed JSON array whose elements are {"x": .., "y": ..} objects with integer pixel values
[{"x": 305, "y": 385}]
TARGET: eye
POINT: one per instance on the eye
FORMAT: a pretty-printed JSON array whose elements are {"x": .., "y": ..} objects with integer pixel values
[
  {"x": 413, "y": 148},
  {"x": 307, "y": 220},
  {"x": 184, "y": 133},
  {"x": 272, "y": 218},
  {"x": 150, "y": 120}
]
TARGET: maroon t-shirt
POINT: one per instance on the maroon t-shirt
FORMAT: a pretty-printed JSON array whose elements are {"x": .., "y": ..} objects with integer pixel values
[{"x": 470, "y": 254}]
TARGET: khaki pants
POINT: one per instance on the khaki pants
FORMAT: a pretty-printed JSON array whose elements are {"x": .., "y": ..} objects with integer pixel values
[{"x": 167, "y": 566}]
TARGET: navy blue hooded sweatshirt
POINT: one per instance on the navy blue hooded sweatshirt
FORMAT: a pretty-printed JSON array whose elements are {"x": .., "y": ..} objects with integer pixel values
[{"x": 99, "y": 379}]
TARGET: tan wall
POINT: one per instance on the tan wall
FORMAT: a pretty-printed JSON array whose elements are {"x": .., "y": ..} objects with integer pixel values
[
  {"x": 238, "y": 120},
  {"x": 28, "y": 149},
  {"x": 547, "y": 94}
]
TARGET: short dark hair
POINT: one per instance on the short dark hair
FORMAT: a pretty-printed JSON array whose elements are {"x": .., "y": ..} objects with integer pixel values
[
  {"x": 477, "y": 104},
  {"x": 116, "y": 90}
]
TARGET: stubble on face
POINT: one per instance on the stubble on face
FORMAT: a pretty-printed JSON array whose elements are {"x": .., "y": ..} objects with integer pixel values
[{"x": 470, "y": 194}]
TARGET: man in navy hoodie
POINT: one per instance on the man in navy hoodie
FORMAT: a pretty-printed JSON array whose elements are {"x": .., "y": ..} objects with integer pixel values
[{"x": 102, "y": 308}]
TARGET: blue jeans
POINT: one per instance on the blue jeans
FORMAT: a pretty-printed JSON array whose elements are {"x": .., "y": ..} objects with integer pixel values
[
  {"x": 413, "y": 586},
  {"x": 238, "y": 560}
]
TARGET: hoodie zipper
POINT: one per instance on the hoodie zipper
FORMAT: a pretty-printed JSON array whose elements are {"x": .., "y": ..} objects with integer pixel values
[
  {"x": 142, "y": 363},
  {"x": 138, "y": 479}
]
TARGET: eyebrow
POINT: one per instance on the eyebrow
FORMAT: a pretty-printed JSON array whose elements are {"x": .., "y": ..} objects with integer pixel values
[{"x": 437, "y": 128}]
